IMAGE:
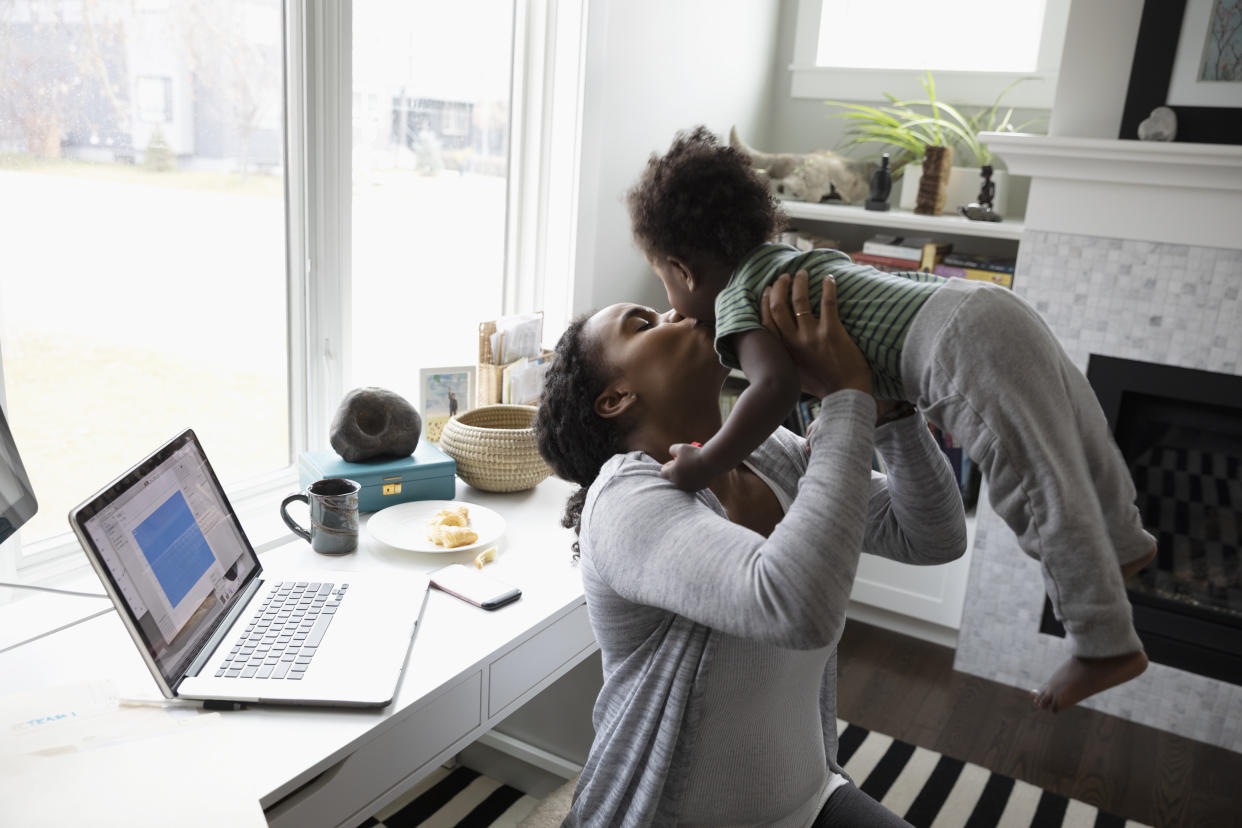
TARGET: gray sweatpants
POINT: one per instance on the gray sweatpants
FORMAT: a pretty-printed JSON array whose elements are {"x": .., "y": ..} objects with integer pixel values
[{"x": 981, "y": 364}]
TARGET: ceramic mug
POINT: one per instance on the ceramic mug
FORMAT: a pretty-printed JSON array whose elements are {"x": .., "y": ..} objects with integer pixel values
[{"x": 333, "y": 504}]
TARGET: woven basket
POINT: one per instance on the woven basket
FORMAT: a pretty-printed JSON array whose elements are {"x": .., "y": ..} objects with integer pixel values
[{"x": 494, "y": 446}]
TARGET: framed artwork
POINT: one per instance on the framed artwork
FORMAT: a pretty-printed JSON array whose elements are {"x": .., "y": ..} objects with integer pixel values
[
  {"x": 1188, "y": 57},
  {"x": 443, "y": 393}
]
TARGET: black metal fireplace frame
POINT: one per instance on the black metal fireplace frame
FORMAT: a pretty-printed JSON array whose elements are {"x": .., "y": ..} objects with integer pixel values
[
  {"x": 1195, "y": 641},
  {"x": 1175, "y": 634},
  {"x": 1190, "y": 384}
]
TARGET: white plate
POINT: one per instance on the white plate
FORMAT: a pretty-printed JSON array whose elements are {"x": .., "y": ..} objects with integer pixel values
[{"x": 404, "y": 525}]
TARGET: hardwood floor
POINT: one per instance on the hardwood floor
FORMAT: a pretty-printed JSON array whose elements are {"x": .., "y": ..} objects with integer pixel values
[{"x": 908, "y": 689}]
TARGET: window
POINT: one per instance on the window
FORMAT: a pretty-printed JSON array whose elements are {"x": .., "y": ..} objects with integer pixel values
[
  {"x": 860, "y": 49},
  {"x": 142, "y": 278},
  {"x": 463, "y": 149},
  {"x": 154, "y": 99},
  {"x": 220, "y": 214},
  {"x": 430, "y": 156},
  {"x": 458, "y": 120}
]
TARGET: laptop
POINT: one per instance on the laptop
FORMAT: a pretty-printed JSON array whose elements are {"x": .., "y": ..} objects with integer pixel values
[{"x": 207, "y": 619}]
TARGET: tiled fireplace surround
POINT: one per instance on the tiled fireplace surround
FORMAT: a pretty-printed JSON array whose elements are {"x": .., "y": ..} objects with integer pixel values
[{"x": 1171, "y": 303}]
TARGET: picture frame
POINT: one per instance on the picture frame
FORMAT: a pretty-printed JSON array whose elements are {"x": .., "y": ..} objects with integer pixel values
[
  {"x": 444, "y": 392},
  {"x": 1209, "y": 46},
  {"x": 1156, "y": 66}
]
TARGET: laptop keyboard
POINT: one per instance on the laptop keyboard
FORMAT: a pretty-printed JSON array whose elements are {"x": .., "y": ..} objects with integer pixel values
[{"x": 284, "y": 635}]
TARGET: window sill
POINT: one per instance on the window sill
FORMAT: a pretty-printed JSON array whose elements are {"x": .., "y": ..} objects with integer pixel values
[{"x": 957, "y": 88}]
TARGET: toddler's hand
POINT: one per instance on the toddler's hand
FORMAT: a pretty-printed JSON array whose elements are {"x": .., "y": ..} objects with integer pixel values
[{"x": 688, "y": 469}]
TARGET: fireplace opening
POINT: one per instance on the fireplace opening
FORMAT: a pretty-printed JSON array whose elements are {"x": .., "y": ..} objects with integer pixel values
[{"x": 1180, "y": 431}]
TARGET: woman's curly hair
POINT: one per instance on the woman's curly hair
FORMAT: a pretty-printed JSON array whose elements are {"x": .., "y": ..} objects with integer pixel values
[
  {"x": 573, "y": 439},
  {"x": 702, "y": 199}
]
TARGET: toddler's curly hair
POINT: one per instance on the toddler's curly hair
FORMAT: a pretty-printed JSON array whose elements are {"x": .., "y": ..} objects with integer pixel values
[{"x": 702, "y": 199}]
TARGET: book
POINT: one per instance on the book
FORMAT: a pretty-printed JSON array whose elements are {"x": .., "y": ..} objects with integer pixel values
[
  {"x": 964, "y": 470},
  {"x": 894, "y": 249},
  {"x": 1000, "y": 264},
  {"x": 863, "y": 258},
  {"x": 996, "y": 277},
  {"x": 970, "y": 480},
  {"x": 808, "y": 241},
  {"x": 805, "y": 413},
  {"x": 730, "y": 391},
  {"x": 886, "y": 263},
  {"x": 917, "y": 249},
  {"x": 933, "y": 254},
  {"x": 891, "y": 265}
]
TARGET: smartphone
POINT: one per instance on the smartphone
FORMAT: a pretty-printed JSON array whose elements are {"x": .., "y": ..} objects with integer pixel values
[{"x": 474, "y": 587}]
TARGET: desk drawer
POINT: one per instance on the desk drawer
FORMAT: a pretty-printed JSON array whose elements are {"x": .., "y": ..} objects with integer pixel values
[
  {"x": 364, "y": 776},
  {"x": 534, "y": 660}
]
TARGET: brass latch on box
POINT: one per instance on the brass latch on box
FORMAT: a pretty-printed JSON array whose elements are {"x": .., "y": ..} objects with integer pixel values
[{"x": 392, "y": 488}]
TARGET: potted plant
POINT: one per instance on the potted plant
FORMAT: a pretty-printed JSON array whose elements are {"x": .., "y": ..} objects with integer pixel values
[{"x": 910, "y": 127}]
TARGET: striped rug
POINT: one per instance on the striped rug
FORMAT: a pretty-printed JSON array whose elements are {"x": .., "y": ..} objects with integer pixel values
[
  {"x": 928, "y": 789},
  {"x": 931, "y": 790},
  {"x": 455, "y": 797}
]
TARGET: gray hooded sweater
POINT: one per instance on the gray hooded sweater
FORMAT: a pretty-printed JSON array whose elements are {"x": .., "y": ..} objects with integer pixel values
[{"x": 695, "y": 616}]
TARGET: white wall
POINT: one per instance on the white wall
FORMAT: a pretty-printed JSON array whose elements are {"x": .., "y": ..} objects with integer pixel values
[
  {"x": 798, "y": 124},
  {"x": 654, "y": 67},
  {"x": 804, "y": 124},
  {"x": 1095, "y": 68}
]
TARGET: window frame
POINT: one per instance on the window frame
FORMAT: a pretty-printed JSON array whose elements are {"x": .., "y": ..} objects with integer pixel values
[
  {"x": 968, "y": 88},
  {"x": 547, "y": 74},
  {"x": 545, "y": 150}
]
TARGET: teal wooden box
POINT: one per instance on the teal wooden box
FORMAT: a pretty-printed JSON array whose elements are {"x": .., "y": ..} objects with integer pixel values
[{"x": 426, "y": 475}]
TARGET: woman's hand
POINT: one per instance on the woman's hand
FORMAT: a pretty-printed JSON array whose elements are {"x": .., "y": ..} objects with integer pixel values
[{"x": 827, "y": 359}]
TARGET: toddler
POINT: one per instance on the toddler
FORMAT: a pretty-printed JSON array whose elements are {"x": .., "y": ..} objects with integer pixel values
[{"x": 973, "y": 357}]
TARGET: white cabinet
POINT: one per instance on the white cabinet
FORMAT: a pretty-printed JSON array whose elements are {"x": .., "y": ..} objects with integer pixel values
[
  {"x": 923, "y": 601},
  {"x": 853, "y": 223}
]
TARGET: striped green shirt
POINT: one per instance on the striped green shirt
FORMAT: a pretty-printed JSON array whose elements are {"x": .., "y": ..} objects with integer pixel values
[{"x": 875, "y": 307}]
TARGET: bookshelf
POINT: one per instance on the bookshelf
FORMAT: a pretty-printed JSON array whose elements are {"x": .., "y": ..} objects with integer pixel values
[
  {"x": 896, "y": 219},
  {"x": 797, "y": 421},
  {"x": 850, "y": 225}
]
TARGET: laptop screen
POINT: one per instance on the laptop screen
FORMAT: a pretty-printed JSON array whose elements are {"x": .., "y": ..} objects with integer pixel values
[
  {"x": 17, "y": 499},
  {"x": 167, "y": 539}
]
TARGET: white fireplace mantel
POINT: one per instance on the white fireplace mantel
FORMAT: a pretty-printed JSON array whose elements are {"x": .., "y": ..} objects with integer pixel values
[{"x": 1175, "y": 193}]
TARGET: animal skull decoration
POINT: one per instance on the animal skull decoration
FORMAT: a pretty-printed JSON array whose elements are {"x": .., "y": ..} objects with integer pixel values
[{"x": 810, "y": 176}]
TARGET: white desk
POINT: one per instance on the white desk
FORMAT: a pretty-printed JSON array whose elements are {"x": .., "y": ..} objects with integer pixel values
[{"x": 468, "y": 669}]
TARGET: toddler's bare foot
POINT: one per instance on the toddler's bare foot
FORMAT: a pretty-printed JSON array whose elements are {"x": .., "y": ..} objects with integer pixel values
[
  {"x": 1078, "y": 678},
  {"x": 1136, "y": 566}
]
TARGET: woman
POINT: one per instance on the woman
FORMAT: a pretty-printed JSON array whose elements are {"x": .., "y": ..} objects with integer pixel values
[{"x": 718, "y": 611}]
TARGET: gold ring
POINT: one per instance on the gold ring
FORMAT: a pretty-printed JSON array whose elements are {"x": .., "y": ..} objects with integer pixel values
[{"x": 804, "y": 313}]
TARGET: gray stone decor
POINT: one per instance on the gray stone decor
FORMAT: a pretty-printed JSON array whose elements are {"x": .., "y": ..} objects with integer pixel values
[{"x": 1171, "y": 304}]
